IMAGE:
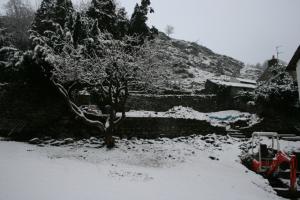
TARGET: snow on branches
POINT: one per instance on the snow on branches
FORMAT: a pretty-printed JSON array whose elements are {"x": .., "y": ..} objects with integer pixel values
[
  {"x": 97, "y": 63},
  {"x": 279, "y": 89}
]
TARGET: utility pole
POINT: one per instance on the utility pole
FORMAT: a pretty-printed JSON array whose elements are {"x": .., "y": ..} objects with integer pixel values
[{"x": 278, "y": 52}]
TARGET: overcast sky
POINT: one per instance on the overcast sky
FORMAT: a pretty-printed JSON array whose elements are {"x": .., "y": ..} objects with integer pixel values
[{"x": 248, "y": 30}]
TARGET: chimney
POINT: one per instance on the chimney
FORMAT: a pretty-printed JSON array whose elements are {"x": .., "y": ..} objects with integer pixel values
[{"x": 273, "y": 61}]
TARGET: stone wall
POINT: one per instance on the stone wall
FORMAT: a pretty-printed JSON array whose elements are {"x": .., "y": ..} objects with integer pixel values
[
  {"x": 201, "y": 103},
  {"x": 165, "y": 127},
  {"x": 161, "y": 103},
  {"x": 35, "y": 110},
  {"x": 28, "y": 111}
]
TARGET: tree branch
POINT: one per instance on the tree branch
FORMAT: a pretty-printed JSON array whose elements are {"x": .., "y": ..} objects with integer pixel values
[{"x": 80, "y": 115}]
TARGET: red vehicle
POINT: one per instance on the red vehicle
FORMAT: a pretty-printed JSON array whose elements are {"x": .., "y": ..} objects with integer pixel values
[{"x": 273, "y": 164}]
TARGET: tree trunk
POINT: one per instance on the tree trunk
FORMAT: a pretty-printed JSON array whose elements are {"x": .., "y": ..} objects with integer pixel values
[{"x": 107, "y": 128}]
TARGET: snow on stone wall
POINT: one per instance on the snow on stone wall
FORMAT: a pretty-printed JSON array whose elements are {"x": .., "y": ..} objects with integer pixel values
[{"x": 159, "y": 103}]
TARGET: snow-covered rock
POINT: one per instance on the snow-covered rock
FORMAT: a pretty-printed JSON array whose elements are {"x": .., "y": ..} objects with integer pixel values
[
  {"x": 35, "y": 141},
  {"x": 68, "y": 140}
]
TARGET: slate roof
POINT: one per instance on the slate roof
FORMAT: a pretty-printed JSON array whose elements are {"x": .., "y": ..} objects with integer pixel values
[{"x": 293, "y": 63}]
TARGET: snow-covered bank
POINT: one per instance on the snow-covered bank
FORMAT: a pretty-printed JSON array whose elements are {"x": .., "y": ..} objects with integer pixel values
[
  {"x": 222, "y": 118},
  {"x": 203, "y": 167}
]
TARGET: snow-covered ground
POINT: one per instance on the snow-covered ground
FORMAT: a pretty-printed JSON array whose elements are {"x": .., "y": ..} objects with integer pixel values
[{"x": 200, "y": 167}]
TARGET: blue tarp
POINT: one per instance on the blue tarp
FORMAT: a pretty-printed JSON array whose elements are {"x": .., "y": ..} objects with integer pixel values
[{"x": 226, "y": 118}]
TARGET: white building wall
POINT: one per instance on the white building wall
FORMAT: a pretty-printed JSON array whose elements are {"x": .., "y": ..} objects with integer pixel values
[{"x": 298, "y": 76}]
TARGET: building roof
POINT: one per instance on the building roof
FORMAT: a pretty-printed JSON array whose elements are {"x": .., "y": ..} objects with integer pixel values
[
  {"x": 293, "y": 63},
  {"x": 232, "y": 84},
  {"x": 247, "y": 81}
]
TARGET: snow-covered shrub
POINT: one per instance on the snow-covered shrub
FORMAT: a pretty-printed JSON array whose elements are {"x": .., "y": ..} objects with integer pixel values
[
  {"x": 5, "y": 38},
  {"x": 280, "y": 91},
  {"x": 10, "y": 59}
]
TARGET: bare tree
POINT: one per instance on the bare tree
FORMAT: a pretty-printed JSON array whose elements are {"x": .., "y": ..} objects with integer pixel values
[
  {"x": 107, "y": 74},
  {"x": 169, "y": 30},
  {"x": 19, "y": 16},
  {"x": 18, "y": 9}
]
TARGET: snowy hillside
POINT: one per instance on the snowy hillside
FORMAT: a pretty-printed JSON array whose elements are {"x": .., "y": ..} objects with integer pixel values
[
  {"x": 201, "y": 167},
  {"x": 252, "y": 72},
  {"x": 188, "y": 64}
]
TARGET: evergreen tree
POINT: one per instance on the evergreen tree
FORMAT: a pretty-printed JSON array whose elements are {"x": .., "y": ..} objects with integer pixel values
[
  {"x": 95, "y": 31},
  {"x": 79, "y": 33},
  {"x": 122, "y": 26},
  {"x": 70, "y": 23},
  {"x": 139, "y": 18},
  {"x": 5, "y": 38},
  {"x": 62, "y": 11},
  {"x": 105, "y": 12},
  {"x": 145, "y": 5},
  {"x": 42, "y": 17},
  {"x": 3, "y": 35},
  {"x": 153, "y": 32}
]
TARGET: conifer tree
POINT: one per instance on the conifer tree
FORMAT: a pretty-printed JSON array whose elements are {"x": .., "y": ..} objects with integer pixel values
[
  {"x": 43, "y": 15},
  {"x": 139, "y": 18},
  {"x": 62, "y": 11},
  {"x": 95, "y": 31},
  {"x": 122, "y": 26},
  {"x": 145, "y": 5},
  {"x": 79, "y": 33},
  {"x": 70, "y": 23},
  {"x": 5, "y": 38},
  {"x": 105, "y": 12}
]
